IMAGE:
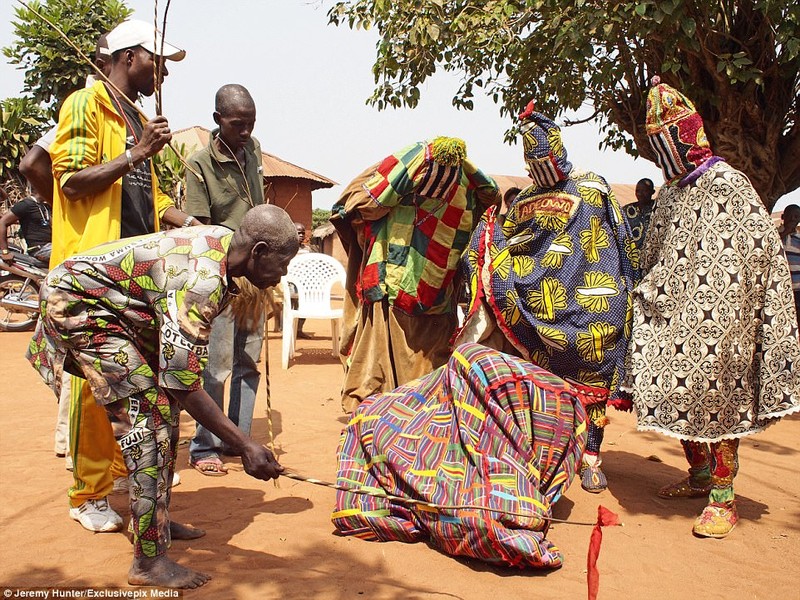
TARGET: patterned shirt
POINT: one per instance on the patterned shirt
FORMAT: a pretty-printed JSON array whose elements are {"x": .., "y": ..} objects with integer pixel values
[
  {"x": 133, "y": 314},
  {"x": 791, "y": 246},
  {"x": 557, "y": 277}
]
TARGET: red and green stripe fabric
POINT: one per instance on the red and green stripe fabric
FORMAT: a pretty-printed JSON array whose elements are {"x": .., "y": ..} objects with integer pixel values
[{"x": 487, "y": 429}]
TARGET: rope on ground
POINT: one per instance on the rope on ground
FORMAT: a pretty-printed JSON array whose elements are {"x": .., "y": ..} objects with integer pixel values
[{"x": 376, "y": 493}]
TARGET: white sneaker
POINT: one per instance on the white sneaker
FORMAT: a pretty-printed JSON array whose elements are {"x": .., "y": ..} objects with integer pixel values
[{"x": 97, "y": 516}]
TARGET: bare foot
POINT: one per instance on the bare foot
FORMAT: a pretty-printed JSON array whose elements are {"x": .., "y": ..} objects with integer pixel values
[
  {"x": 178, "y": 531},
  {"x": 163, "y": 572}
]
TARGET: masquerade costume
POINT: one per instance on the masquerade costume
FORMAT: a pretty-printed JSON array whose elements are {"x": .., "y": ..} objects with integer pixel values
[
  {"x": 404, "y": 224},
  {"x": 486, "y": 429},
  {"x": 715, "y": 333},
  {"x": 553, "y": 283}
]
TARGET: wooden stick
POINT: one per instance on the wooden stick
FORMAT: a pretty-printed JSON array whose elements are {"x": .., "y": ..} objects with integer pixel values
[
  {"x": 291, "y": 474},
  {"x": 270, "y": 433},
  {"x": 160, "y": 66},
  {"x": 156, "y": 60},
  {"x": 105, "y": 79}
]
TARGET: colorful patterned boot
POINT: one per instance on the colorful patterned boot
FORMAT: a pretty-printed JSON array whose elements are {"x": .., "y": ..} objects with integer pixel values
[
  {"x": 592, "y": 478},
  {"x": 685, "y": 488},
  {"x": 717, "y": 520},
  {"x": 698, "y": 483}
]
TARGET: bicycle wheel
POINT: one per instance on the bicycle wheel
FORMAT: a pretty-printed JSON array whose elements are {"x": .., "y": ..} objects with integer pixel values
[{"x": 18, "y": 289}]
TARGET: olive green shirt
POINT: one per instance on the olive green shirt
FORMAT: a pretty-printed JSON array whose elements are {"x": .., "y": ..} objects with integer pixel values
[{"x": 224, "y": 194}]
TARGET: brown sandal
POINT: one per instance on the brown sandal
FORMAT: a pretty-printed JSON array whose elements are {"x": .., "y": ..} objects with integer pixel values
[
  {"x": 684, "y": 489},
  {"x": 210, "y": 466}
]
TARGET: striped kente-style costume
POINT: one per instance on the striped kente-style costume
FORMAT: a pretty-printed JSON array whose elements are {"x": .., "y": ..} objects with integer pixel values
[{"x": 487, "y": 429}]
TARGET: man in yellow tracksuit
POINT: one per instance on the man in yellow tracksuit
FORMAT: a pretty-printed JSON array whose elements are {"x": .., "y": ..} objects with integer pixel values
[{"x": 106, "y": 189}]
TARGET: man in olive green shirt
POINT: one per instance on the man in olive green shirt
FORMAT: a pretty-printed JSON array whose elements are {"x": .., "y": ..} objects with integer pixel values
[{"x": 231, "y": 171}]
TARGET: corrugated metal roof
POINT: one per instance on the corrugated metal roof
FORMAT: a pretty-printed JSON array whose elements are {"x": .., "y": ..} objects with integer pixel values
[{"x": 194, "y": 138}]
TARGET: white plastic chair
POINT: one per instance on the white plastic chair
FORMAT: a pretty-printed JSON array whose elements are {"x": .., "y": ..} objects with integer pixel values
[{"x": 311, "y": 275}]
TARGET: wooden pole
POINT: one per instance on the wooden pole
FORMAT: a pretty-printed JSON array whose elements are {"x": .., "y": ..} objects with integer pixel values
[
  {"x": 422, "y": 503},
  {"x": 270, "y": 433}
]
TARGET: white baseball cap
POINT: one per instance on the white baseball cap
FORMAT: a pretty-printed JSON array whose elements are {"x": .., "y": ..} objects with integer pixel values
[{"x": 130, "y": 34}]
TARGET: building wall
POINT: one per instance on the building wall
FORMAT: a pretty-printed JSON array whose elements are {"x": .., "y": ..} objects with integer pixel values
[
  {"x": 332, "y": 246},
  {"x": 292, "y": 195}
]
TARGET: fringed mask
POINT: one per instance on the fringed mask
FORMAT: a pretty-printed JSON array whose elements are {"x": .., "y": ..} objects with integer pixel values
[
  {"x": 545, "y": 154},
  {"x": 675, "y": 130},
  {"x": 445, "y": 156}
]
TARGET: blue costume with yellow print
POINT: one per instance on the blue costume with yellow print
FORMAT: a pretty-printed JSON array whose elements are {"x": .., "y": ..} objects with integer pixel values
[
  {"x": 556, "y": 275},
  {"x": 559, "y": 271}
]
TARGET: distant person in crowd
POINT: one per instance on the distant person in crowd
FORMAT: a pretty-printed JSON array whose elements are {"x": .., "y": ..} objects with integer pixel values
[
  {"x": 106, "y": 189},
  {"x": 33, "y": 214},
  {"x": 638, "y": 213},
  {"x": 552, "y": 283},
  {"x": 304, "y": 249},
  {"x": 714, "y": 331},
  {"x": 231, "y": 170},
  {"x": 791, "y": 245},
  {"x": 508, "y": 199},
  {"x": 142, "y": 348},
  {"x": 404, "y": 223}
]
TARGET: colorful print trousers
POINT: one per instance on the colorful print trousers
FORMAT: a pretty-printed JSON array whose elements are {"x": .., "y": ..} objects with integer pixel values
[{"x": 148, "y": 433}]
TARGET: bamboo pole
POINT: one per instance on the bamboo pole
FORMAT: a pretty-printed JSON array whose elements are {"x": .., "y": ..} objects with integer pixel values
[{"x": 270, "y": 433}]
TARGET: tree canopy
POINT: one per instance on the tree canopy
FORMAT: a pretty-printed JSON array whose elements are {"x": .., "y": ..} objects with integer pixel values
[
  {"x": 53, "y": 70},
  {"x": 21, "y": 124},
  {"x": 738, "y": 60}
]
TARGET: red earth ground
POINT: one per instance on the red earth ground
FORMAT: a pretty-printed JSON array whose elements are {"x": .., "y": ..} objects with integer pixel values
[{"x": 266, "y": 541}]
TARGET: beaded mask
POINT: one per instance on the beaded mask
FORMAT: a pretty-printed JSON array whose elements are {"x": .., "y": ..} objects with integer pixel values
[
  {"x": 675, "y": 130},
  {"x": 545, "y": 154}
]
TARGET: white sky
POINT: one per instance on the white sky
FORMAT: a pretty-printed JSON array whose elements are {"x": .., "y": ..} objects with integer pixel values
[{"x": 310, "y": 81}]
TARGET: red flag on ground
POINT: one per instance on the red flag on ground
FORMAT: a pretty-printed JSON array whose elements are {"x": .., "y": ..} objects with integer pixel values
[{"x": 605, "y": 518}]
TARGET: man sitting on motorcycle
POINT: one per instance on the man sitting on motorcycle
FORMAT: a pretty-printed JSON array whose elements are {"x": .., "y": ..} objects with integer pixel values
[{"x": 33, "y": 215}]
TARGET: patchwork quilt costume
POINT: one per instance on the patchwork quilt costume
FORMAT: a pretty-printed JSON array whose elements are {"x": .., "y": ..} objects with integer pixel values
[
  {"x": 485, "y": 430},
  {"x": 404, "y": 224},
  {"x": 714, "y": 331}
]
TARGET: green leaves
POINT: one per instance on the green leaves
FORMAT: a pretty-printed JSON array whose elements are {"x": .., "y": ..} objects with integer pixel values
[
  {"x": 52, "y": 69},
  {"x": 739, "y": 68},
  {"x": 731, "y": 54},
  {"x": 22, "y": 122},
  {"x": 171, "y": 172}
]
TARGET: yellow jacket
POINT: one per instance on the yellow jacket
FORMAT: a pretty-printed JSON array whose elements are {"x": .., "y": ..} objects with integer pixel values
[{"x": 90, "y": 132}]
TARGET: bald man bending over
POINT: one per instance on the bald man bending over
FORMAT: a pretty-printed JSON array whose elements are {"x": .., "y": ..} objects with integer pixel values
[{"x": 98, "y": 311}]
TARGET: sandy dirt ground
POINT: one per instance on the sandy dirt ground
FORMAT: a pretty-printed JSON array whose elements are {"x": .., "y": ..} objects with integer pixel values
[{"x": 270, "y": 542}]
